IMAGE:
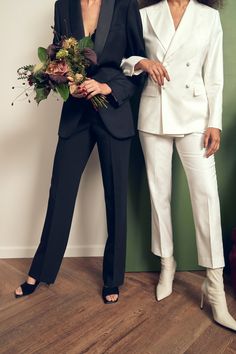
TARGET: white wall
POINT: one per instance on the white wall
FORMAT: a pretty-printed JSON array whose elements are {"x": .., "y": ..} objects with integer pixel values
[{"x": 28, "y": 137}]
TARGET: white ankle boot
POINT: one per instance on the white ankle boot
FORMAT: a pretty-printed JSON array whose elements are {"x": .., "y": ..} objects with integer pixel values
[
  {"x": 213, "y": 289},
  {"x": 165, "y": 284}
]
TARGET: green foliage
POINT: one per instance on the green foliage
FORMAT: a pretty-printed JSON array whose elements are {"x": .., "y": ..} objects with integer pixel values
[
  {"x": 41, "y": 94},
  {"x": 43, "y": 54},
  {"x": 62, "y": 53},
  {"x": 63, "y": 91},
  {"x": 39, "y": 77},
  {"x": 86, "y": 42},
  {"x": 69, "y": 59}
]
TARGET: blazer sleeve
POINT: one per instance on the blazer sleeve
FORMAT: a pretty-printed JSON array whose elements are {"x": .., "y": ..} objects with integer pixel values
[
  {"x": 123, "y": 88},
  {"x": 213, "y": 74},
  {"x": 56, "y": 23},
  {"x": 128, "y": 65},
  {"x": 129, "y": 62}
]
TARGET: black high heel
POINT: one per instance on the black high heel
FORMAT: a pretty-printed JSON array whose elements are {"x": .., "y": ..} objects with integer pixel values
[
  {"x": 106, "y": 291},
  {"x": 27, "y": 289}
]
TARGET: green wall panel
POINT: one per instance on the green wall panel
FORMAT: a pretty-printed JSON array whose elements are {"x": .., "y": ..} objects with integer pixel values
[{"x": 139, "y": 256}]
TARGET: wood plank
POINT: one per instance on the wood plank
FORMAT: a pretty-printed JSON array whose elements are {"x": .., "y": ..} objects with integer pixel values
[{"x": 69, "y": 317}]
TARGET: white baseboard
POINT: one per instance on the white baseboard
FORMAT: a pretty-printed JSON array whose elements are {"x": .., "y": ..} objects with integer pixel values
[{"x": 71, "y": 251}]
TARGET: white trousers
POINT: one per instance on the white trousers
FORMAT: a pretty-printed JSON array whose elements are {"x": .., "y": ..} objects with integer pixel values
[{"x": 202, "y": 182}]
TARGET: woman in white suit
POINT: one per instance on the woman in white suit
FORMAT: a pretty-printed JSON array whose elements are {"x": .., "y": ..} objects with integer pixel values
[{"x": 181, "y": 104}]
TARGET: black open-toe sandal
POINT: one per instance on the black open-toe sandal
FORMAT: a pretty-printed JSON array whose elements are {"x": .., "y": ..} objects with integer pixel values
[
  {"x": 27, "y": 289},
  {"x": 106, "y": 291}
]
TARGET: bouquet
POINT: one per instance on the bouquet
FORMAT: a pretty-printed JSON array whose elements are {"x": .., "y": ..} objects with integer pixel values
[{"x": 62, "y": 66}]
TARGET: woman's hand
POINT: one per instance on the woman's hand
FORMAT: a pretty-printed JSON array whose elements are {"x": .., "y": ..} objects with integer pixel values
[
  {"x": 89, "y": 89},
  {"x": 212, "y": 141},
  {"x": 92, "y": 88},
  {"x": 155, "y": 69},
  {"x": 76, "y": 91}
]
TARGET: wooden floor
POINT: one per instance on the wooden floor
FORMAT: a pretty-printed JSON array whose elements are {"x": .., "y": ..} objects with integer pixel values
[{"x": 70, "y": 317}]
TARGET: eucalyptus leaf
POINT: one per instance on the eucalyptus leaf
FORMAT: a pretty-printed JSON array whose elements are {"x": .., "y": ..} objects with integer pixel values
[
  {"x": 41, "y": 94},
  {"x": 86, "y": 42},
  {"x": 63, "y": 91},
  {"x": 42, "y": 54}
]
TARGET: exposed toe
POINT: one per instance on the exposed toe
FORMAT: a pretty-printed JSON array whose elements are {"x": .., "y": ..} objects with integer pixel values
[
  {"x": 19, "y": 291},
  {"x": 112, "y": 298}
]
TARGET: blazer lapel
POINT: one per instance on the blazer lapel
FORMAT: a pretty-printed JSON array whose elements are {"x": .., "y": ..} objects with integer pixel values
[
  {"x": 76, "y": 20},
  {"x": 184, "y": 30},
  {"x": 104, "y": 23},
  {"x": 161, "y": 23}
]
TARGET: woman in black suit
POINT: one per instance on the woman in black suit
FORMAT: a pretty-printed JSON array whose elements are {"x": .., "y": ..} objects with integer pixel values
[{"x": 117, "y": 33}]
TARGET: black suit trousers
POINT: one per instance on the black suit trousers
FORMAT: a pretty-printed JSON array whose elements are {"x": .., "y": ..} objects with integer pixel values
[{"x": 71, "y": 157}]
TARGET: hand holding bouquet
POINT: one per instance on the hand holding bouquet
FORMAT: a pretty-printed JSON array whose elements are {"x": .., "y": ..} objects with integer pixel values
[{"x": 63, "y": 66}]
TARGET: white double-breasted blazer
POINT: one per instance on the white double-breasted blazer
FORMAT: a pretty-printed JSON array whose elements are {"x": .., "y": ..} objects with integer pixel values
[{"x": 192, "y": 100}]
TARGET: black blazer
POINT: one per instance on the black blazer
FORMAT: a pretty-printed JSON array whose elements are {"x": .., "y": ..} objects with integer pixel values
[{"x": 118, "y": 35}]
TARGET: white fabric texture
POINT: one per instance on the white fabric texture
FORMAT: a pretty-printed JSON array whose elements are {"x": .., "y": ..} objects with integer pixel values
[
  {"x": 192, "y": 100},
  {"x": 128, "y": 66},
  {"x": 202, "y": 181}
]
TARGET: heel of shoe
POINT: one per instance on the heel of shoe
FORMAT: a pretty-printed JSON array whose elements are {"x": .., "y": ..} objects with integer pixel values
[
  {"x": 213, "y": 291},
  {"x": 202, "y": 301},
  {"x": 203, "y": 293}
]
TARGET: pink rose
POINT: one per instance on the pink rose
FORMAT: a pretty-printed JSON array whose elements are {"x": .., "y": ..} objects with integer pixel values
[{"x": 57, "y": 71}]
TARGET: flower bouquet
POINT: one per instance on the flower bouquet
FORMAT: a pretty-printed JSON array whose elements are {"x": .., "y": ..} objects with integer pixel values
[{"x": 61, "y": 65}]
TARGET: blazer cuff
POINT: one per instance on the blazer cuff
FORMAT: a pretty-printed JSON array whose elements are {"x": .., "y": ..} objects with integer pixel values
[
  {"x": 215, "y": 125},
  {"x": 128, "y": 65},
  {"x": 113, "y": 100},
  {"x": 114, "y": 97}
]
